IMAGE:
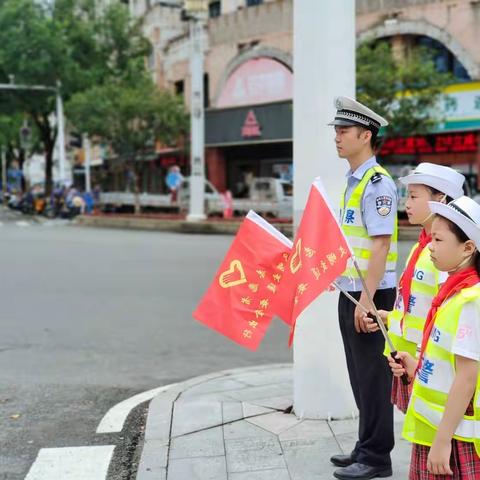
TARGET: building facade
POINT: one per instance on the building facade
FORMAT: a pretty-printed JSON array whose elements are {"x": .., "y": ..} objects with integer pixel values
[{"x": 249, "y": 77}]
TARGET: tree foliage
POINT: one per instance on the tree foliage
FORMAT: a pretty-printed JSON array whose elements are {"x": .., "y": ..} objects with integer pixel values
[
  {"x": 66, "y": 41},
  {"x": 130, "y": 117},
  {"x": 405, "y": 91}
]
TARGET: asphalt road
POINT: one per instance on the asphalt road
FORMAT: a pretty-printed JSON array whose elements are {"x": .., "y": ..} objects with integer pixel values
[{"x": 90, "y": 317}]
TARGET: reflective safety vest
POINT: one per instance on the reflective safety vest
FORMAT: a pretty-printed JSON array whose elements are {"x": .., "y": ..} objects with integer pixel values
[
  {"x": 435, "y": 378},
  {"x": 423, "y": 289},
  {"x": 353, "y": 226}
]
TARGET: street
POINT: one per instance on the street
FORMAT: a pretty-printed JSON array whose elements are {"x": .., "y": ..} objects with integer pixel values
[{"x": 91, "y": 317}]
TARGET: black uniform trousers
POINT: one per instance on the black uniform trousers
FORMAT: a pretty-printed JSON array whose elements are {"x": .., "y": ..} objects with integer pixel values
[{"x": 371, "y": 381}]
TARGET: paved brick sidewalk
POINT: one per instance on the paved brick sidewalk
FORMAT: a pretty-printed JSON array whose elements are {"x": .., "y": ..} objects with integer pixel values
[{"x": 231, "y": 425}]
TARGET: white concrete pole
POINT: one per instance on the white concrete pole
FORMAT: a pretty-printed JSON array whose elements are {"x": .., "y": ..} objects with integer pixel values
[
  {"x": 324, "y": 67},
  {"x": 197, "y": 122},
  {"x": 60, "y": 138},
  {"x": 88, "y": 160}
]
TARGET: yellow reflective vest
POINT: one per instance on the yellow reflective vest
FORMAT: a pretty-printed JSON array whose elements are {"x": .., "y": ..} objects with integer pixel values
[
  {"x": 435, "y": 378},
  {"x": 355, "y": 230},
  {"x": 423, "y": 289}
]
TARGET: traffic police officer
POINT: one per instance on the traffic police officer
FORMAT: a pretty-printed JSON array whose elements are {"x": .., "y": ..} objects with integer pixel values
[{"x": 369, "y": 220}]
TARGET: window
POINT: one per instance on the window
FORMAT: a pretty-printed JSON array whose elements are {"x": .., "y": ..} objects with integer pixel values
[
  {"x": 252, "y": 3},
  {"x": 206, "y": 91},
  {"x": 215, "y": 9},
  {"x": 287, "y": 189},
  {"x": 179, "y": 87},
  {"x": 444, "y": 59}
]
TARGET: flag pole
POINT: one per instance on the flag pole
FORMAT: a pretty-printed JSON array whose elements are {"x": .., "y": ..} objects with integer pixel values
[
  {"x": 352, "y": 299},
  {"x": 380, "y": 323}
]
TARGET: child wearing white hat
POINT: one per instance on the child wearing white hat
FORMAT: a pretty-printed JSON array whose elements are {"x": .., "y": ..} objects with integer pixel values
[
  {"x": 443, "y": 416},
  {"x": 420, "y": 280}
]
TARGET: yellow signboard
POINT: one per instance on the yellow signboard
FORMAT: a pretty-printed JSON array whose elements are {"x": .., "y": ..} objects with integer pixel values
[{"x": 196, "y": 6}]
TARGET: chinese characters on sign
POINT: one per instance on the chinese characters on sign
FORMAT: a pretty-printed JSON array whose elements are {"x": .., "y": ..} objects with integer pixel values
[{"x": 443, "y": 143}]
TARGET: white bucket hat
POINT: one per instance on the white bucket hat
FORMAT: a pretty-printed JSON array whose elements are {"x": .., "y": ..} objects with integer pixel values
[
  {"x": 463, "y": 212},
  {"x": 443, "y": 179}
]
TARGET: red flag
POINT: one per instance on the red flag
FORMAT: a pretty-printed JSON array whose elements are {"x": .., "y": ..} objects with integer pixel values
[
  {"x": 238, "y": 302},
  {"x": 319, "y": 255}
]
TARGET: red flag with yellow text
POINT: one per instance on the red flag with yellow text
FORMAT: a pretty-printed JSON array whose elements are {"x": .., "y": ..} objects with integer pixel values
[
  {"x": 319, "y": 255},
  {"x": 238, "y": 302}
]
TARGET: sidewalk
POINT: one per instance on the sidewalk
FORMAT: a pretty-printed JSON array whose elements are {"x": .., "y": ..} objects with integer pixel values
[{"x": 231, "y": 425}]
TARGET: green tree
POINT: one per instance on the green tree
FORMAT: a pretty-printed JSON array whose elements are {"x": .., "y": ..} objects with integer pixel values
[
  {"x": 66, "y": 41},
  {"x": 405, "y": 91},
  {"x": 130, "y": 117},
  {"x": 10, "y": 134}
]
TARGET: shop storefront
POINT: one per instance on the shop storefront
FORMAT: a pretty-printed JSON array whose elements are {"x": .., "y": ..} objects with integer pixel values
[
  {"x": 246, "y": 142},
  {"x": 249, "y": 133},
  {"x": 455, "y": 141}
]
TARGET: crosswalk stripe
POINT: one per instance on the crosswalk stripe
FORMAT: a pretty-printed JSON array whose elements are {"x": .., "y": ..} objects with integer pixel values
[{"x": 72, "y": 463}]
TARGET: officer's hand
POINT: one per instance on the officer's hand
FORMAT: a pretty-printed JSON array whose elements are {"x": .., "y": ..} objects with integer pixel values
[
  {"x": 371, "y": 324},
  {"x": 384, "y": 316},
  {"x": 408, "y": 365},
  {"x": 359, "y": 319}
]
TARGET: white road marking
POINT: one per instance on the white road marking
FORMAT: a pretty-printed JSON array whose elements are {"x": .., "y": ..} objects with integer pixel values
[
  {"x": 115, "y": 418},
  {"x": 22, "y": 223},
  {"x": 72, "y": 463}
]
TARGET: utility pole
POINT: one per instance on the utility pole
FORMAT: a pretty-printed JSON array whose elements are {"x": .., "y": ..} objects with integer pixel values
[
  {"x": 87, "y": 162},
  {"x": 60, "y": 136},
  {"x": 196, "y": 12}
]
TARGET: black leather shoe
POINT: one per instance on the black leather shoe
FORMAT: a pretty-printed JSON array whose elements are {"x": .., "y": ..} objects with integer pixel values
[
  {"x": 359, "y": 471},
  {"x": 342, "y": 460}
]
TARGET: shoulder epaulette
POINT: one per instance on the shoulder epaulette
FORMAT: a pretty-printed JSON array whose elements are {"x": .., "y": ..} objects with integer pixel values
[{"x": 376, "y": 177}]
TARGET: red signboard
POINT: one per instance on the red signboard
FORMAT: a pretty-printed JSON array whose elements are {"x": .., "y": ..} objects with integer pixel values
[
  {"x": 431, "y": 144},
  {"x": 251, "y": 127}
]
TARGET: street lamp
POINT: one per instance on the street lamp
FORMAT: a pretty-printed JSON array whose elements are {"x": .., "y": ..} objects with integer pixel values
[{"x": 196, "y": 11}]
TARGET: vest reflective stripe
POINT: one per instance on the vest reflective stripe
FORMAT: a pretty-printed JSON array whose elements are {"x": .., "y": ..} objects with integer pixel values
[
  {"x": 351, "y": 220},
  {"x": 434, "y": 380},
  {"x": 365, "y": 243},
  {"x": 424, "y": 287},
  {"x": 467, "y": 428},
  {"x": 363, "y": 257}
]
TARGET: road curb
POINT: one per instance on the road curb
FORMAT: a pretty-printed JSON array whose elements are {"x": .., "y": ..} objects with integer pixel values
[{"x": 206, "y": 227}]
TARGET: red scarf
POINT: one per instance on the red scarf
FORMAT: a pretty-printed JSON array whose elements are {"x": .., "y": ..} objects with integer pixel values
[
  {"x": 405, "y": 283},
  {"x": 465, "y": 278}
]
